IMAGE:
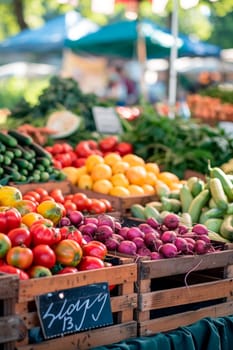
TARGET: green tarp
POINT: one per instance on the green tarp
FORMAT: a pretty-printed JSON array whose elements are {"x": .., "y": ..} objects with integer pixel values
[{"x": 206, "y": 334}]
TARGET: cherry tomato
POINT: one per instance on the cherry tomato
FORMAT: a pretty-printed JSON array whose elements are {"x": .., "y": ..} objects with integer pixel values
[
  {"x": 44, "y": 255},
  {"x": 107, "y": 203},
  {"x": 69, "y": 206},
  {"x": 67, "y": 269},
  {"x": 20, "y": 236},
  {"x": 57, "y": 195},
  {"x": 82, "y": 201},
  {"x": 42, "y": 191},
  {"x": 71, "y": 232},
  {"x": 97, "y": 206},
  {"x": 95, "y": 248},
  {"x": 21, "y": 257},
  {"x": 90, "y": 263},
  {"x": 34, "y": 194}
]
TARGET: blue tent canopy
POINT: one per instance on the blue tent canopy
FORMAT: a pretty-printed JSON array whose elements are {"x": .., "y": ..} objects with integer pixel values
[{"x": 51, "y": 36}]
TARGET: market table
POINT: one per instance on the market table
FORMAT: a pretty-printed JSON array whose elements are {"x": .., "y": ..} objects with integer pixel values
[{"x": 206, "y": 334}]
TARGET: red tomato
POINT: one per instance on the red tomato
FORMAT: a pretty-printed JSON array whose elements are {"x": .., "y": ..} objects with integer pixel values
[
  {"x": 29, "y": 198},
  {"x": 124, "y": 148},
  {"x": 64, "y": 158},
  {"x": 90, "y": 263},
  {"x": 68, "y": 252},
  {"x": 73, "y": 156},
  {"x": 79, "y": 162},
  {"x": 34, "y": 194},
  {"x": 69, "y": 206},
  {"x": 5, "y": 244},
  {"x": 20, "y": 236},
  {"x": 57, "y": 195},
  {"x": 82, "y": 201},
  {"x": 67, "y": 269},
  {"x": 68, "y": 197},
  {"x": 57, "y": 164},
  {"x": 97, "y": 206},
  {"x": 44, "y": 234},
  {"x": 44, "y": 255},
  {"x": 49, "y": 149},
  {"x": 57, "y": 148},
  {"x": 108, "y": 144},
  {"x": 47, "y": 198},
  {"x": 14, "y": 271},
  {"x": 38, "y": 271},
  {"x": 86, "y": 148},
  {"x": 9, "y": 218},
  {"x": 67, "y": 147},
  {"x": 71, "y": 232},
  {"x": 95, "y": 248},
  {"x": 21, "y": 257},
  {"x": 42, "y": 191},
  {"x": 107, "y": 203}
]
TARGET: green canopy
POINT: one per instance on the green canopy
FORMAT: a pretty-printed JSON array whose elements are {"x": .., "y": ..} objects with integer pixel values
[{"x": 120, "y": 40}]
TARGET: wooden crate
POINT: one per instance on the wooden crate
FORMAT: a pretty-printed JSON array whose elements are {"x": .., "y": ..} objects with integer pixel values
[
  {"x": 11, "y": 326},
  {"x": 121, "y": 204},
  {"x": 180, "y": 291},
  {"x": 123, "y": 301},
  {"x": 65, "y": 186}
]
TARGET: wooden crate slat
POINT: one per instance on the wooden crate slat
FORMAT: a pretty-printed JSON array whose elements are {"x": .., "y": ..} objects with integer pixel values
[
  {"x": 167, "y": 323},
  {"x": 114, "y": 275},
  {"x": 186, "y": 295},
  {"x": 64, "y": 185},
  {"x": 87, "y": 340},
  {"x": 184, "y": 264}
]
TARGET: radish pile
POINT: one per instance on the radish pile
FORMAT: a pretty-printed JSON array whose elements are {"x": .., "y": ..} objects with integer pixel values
[{"x": 149, "y": 239}]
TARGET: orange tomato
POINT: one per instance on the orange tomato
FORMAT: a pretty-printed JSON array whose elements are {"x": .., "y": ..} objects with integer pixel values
[
  {"x": 133, "y": 159},
  {"x": 85, "y": 182},
  {"x": 102, "y": 186},
  {"x": 119, "y": 191},
  {"x": 92, "y": 161},
  {"x": 119, "y": 180},
  {"x": 135, "y": 190},
  {"x": 112, "y": 158}
]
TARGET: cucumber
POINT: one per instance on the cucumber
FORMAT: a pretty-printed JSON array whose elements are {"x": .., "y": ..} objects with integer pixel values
[
  {"x": 16, "y": 151},
  {"x": 22, "y": 138},
  {"x": 40, "y": 151},
  {"x": 151, "y": 212},
  {"x": 7, "y": 160},
  {"x": 44, "y": 176},
  {"x": 25, "y": 153},
  {"x": 5, "y": 180},
  {"x": 213, "y": 224},
  {"x": 2, "y": 148},
  {"x": 44, "y": 161},
  {"x": 1, "y": 158},
  {"x": 22, "y": 163},
  {"x": 15, "y": 175},
  {"x": 8, "y": 140},
  {"x": 218, "y": 194},
  {"x": 197, "y": 204},
  {"x": 186, "y": 198},
  {"x": 9, "y": 154},
  {"x": 137, "y": 211},
  {"x": 226, "y": 229}
]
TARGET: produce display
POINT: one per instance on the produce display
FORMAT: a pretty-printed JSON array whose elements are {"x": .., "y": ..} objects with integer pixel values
[
  {"x": 24, "y": 161},
  {"x": 38, "y": 242},
  {"x": 65, "y": 155},
  {"x": 123, "y": 176},
  {"x": 70, "y": 202},
  {"x": 207, "y": 202}
]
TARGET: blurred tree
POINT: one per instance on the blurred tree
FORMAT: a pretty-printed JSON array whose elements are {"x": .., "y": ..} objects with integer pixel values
[{"x": 20, "y": 14}]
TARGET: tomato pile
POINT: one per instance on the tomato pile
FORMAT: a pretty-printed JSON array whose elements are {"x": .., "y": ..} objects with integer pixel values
[
  {"x": 64, "y": 155},
  {"x": 77, "y": 201},
  {"x": 34, "y": 243}
]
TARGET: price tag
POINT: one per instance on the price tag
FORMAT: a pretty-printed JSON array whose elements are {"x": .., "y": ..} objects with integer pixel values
[
  {"x": 74, "y": 310},
  {"x": 106, "y": 120}
]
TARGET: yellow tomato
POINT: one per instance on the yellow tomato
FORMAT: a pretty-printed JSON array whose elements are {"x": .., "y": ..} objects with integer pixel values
[
  {"x": 135, "y": 190},
  {"x": 85, "y": 182},
  {"x": 136, "y": 175},
  {"x": 101, "y": 171},
  {"x": 112, "y": 158},
  {"x": 9, "y": 195},
  {"x": 92, "y": 161},
  {"x": 119, "y": 191},
  {"x": 102, "y": 186},
  {"x": 119, "y": 180},
  {"x": 50, "y": 210},
  {"x": 133, "y": 159},
  {"x": 29, "y": 218},
  {"x": 120, "y": 167}
]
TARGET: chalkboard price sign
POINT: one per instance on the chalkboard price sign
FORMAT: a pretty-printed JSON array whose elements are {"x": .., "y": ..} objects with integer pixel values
[{"x": 74, "y": 310}]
